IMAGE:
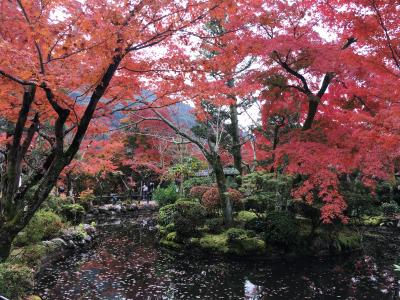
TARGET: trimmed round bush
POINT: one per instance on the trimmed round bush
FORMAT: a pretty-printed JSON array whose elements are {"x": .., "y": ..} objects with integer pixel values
[
  {"x": 198, "y": 191},
  {"x": 211, "y": 199},
  {"x": 281, "y": 229}
]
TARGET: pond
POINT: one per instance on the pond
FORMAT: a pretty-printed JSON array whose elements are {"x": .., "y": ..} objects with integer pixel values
[{"x": 126, "y": 263}]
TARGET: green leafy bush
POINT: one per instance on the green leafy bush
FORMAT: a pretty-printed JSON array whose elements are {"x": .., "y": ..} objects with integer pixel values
[
  {"x": 54, "y": 203},
  {"x": 166, "y": 214},
  {"x": 43, "y": 225},
  {"x": 235, "y": 234},
  {"x": 86, "y": 198},
  {"x": 165, "y": 196},
  {"x": 264, "y": 191},
  {"x": 244, "y": 242},
  {"x": 281, "y": 229},
  {"x": 74, "y": 213},
  {"x": 215, "y": 225},
  {"x": 15, "y": 280},
  {"x": 257, "y": 225},
  {"x": 188, "y": 216},
  {"x": 390, "y": 208},
  {"x": 245, "y": 216},
  {"x": 30, "y": 255}
]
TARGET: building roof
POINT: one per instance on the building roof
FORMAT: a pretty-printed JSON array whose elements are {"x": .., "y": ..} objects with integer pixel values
[{"x": 230, "y": 171}]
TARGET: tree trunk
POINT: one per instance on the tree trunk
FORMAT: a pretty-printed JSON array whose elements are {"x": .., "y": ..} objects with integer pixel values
[
  {"x": 235, "y": 133},
  {"x": 222, "y": 190},
  {"x": 6, "y": 238}
]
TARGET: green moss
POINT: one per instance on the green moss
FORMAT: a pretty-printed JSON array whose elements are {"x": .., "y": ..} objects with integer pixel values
[
  {"x": 171, "y": 244},
  {"x": 15, "y": 280},
  {"x": 246, "y": 246},
  {"x": 217, "y": 243}
]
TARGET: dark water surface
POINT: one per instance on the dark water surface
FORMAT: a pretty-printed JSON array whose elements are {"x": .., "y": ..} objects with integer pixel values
[{"x": 127, "y": 264}]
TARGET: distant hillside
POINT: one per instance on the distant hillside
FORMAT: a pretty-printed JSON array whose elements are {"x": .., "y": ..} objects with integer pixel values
[{"x": 180, "y": 112}]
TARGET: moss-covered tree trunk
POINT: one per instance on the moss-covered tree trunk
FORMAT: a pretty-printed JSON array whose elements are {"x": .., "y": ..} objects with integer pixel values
[{"x": 222, "y": 189}]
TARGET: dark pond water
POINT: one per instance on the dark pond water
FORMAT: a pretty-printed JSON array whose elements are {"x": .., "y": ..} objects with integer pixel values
[{"x": 127, "y": 264}]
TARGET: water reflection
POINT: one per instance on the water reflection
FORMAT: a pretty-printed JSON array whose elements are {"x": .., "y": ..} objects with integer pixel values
[{"x": 126, "y": 264}]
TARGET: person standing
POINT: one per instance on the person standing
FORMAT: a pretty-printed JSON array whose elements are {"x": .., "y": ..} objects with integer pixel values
[{"x": 145, "y": 191}]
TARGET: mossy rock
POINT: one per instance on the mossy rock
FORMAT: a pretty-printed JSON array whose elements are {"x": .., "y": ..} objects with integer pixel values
[{"x": 216, "y": 243}]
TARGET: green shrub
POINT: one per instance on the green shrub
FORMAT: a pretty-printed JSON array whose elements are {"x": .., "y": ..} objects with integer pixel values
[
  {"x": 257, "y": 225},
  {"x": 264, "y": 191},
  {"x": 245, "y": 216},
  {"x": 54, "y": 203},
  {"x": 214, "y": 243},
  {"x": 15, "y": 280},
  {"x": 74, "y": 213},
  {"x": 215, "y": 225},
  {"x": 165, "y": 196},
  {"x": 188, "y": 216},
  {"x": 390, "y": 208},
  {"x": 166, "y": 214},
  {"x": 185, "y": 216},
  {"x": 43, "y": 225},
  {"x": 30, "y": 255},
  {"x": 235, "y": 234},
  {"x": 180, "y": 200},
  {"x": 244, "y": 242},
  {"x": 86, "y": 198},
  {"x": 281, "y": 229}
]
